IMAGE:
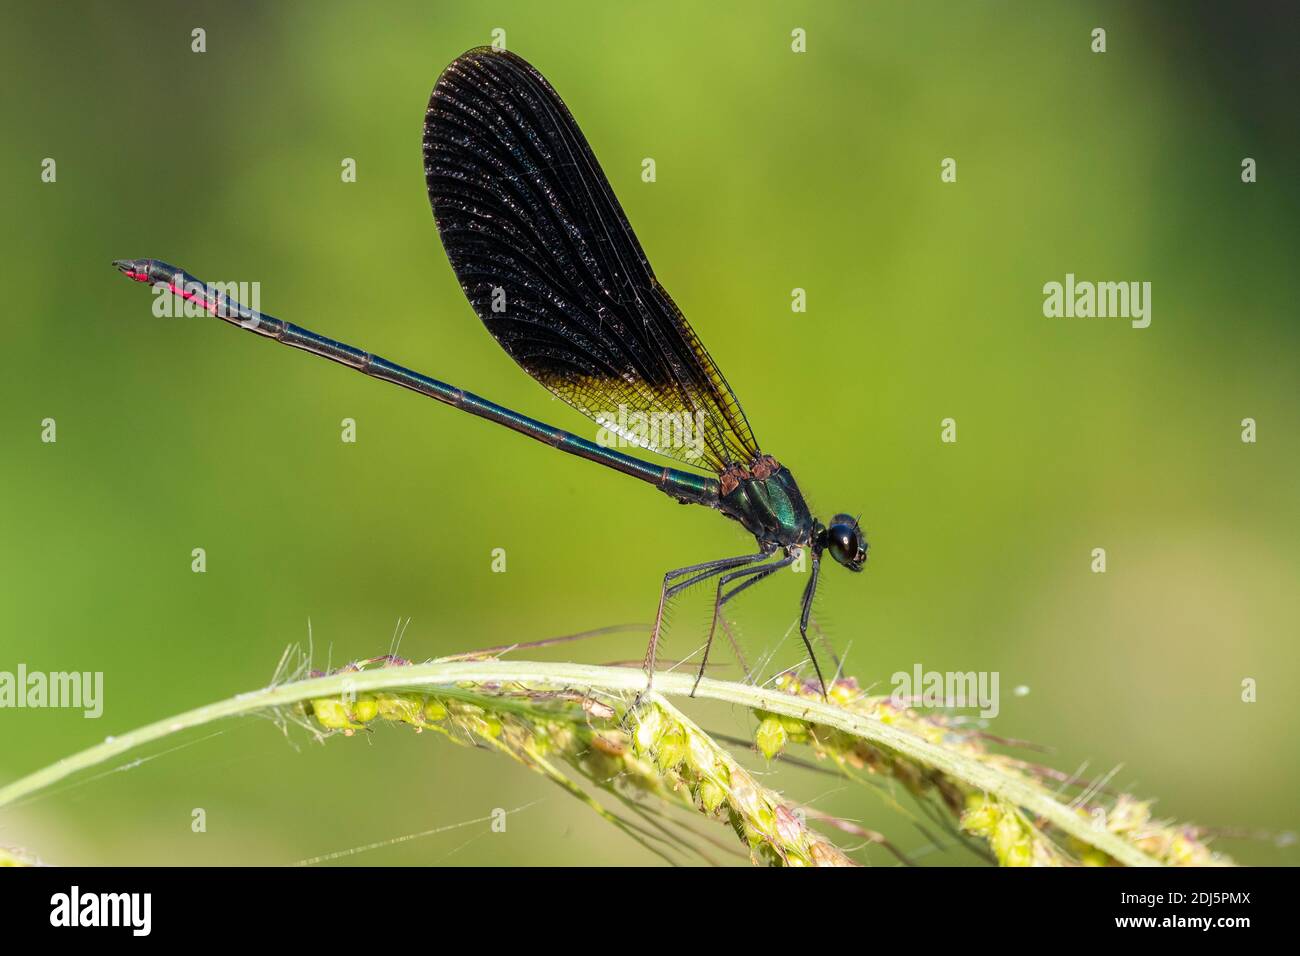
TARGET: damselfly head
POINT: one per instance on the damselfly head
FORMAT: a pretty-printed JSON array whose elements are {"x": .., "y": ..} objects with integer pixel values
[{"x": 846, "y": 542}]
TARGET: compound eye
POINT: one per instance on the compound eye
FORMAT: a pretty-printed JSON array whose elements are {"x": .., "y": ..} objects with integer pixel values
[
  {"x": 842, "y": 541},
  {"x": 846, "y": 542}
]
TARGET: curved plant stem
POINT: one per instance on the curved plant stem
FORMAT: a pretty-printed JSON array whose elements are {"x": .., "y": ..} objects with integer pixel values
[{"x": 978, "y": 775}]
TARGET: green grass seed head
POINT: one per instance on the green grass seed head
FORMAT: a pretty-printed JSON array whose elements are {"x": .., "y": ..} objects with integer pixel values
[
  {"x": 667, "y": 757},
  {"x": 567, "y": 722}
]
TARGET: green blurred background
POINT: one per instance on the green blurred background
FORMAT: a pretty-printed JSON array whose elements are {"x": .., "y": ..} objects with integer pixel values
[{"x": 775, "y": 171}]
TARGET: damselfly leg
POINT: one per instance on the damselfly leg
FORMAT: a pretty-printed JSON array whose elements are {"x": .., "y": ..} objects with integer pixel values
[
  {"x": 697, "y": 573},
  {"x": 806, "y": 612},
  {"x": 755, "y": 574}
]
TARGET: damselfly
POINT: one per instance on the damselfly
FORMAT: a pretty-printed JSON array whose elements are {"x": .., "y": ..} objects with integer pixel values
[{"x": 551, "y": 266}]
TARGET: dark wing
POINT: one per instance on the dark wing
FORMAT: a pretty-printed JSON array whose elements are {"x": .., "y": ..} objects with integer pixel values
[{"x": 527, "y": 215}]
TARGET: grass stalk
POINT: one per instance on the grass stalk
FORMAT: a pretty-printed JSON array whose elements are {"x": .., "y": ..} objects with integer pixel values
[{"x": 1001, "y": 802}]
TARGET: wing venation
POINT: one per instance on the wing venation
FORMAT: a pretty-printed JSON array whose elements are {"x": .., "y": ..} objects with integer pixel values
[{"x": 548, "y": 261}]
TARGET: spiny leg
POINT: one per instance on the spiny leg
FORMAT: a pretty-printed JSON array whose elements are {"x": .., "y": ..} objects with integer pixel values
[
  {"x": 826, "y": 644},
  {"x": 805, "y": 613},
  {"x": 678, "y": 588},
  {"x": 735, "y": 648},
  {"x": 755, "y": 574},
  {"x": 699, "y": 572}
]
